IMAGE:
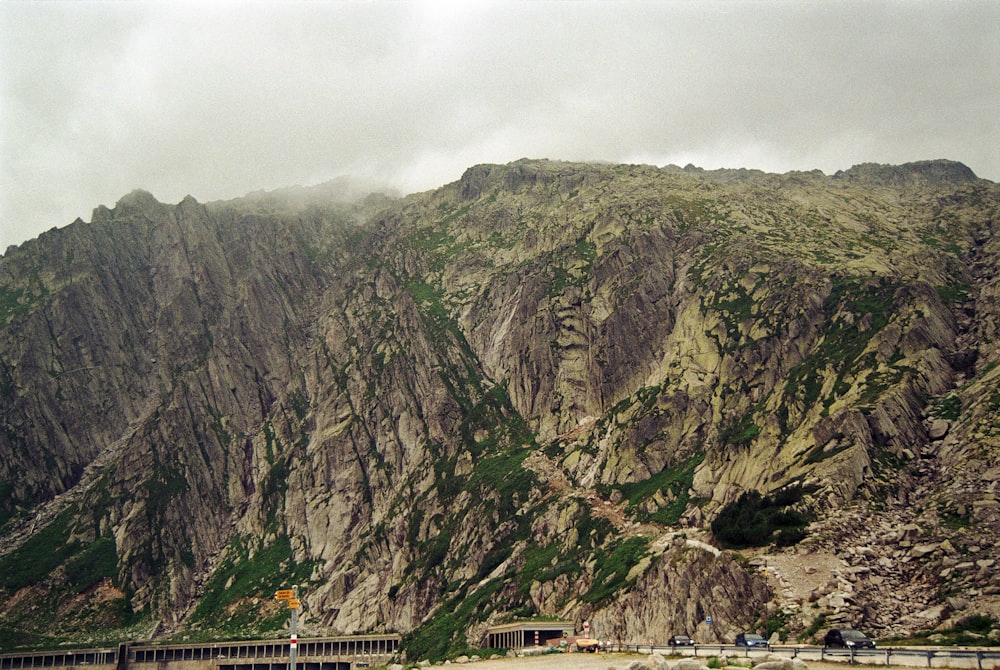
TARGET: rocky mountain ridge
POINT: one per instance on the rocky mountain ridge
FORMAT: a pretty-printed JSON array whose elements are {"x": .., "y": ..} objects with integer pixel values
[{"x": 541, "y": 390}]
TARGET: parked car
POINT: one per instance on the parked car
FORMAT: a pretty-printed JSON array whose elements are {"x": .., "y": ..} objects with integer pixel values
[
  {"x": 750, "y": 640},
  {"x": 680, "y": 641},
  {"x": 847, "y": 639}
]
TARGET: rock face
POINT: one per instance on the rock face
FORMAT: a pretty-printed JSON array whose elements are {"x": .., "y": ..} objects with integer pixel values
[{"x": 529, "y": 392}]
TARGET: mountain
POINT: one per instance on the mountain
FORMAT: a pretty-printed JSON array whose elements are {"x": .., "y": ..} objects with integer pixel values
[{"x": 620, "y": 394}]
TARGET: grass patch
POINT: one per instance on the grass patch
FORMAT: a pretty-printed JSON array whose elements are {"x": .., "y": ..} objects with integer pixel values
[
  {"x": 98, "y": 561},
  {"x": 674, "y": 483},
  {"x": 543, "y": 564},
  {"x": 842, "y": 341},
  {"x": 443, "y": 635},
  {"x": 952, "y": 518},
  {"x": 16, "y": 302},
  {"x": 248, "y": 571},
  {"x": 818, "y": 623},
  {"x": 33, "y": 561},
  {"x": 954, "y": 293},
  {"x": 613, "y": 567},
  {"x": 574, "y": 268},
  {"x": 741, "y": 432},
  {"x": 948, "y": 407}
]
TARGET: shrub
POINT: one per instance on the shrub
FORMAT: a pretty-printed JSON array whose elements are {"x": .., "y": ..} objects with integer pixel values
[{"x": 755, "y": 520}]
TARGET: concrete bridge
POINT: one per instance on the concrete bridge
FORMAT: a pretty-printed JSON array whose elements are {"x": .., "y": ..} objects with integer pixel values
[{"x": 323, "y": 653}]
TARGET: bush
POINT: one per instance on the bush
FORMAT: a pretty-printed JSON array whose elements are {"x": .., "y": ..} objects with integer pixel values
[{"x": 755, "y": 520}]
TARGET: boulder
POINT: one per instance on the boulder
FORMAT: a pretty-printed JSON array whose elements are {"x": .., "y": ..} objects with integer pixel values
[
  {"x": 657, "y": 662},
  {"x": 922, "y": 550},
  {"x": 939, "y": 428},
  {"x": 783, "y": 664}
]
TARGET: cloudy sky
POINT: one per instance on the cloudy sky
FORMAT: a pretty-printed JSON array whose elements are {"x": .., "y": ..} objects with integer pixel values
[{"x": 219, "y": 99}]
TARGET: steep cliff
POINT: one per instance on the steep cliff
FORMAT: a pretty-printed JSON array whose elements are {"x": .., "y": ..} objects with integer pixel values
[{"x": 544, "y": 389}]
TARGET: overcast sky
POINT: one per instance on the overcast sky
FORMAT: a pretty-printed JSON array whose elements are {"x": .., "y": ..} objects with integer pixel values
[{"x": 219, "y": 99}]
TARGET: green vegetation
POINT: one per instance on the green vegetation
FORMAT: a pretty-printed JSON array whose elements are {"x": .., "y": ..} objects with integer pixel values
[
  {"x": 443, "y": 636},
  {"x": 429, "y": 300},
  {"x": 273, "y": 489},
  {"x": 17, "y": 302},
  {"x": 613, "y": 566},
  {"x": 250, "y": 570},
  {"x": 735, "y": 305},
  {"x": 436, "y": 241},
  {"x": 690, "y": 212},
  {"x": 58, "y": 568},
  {"x": 756, "y": 521},
  {"x": 776, "y": 623},
  {"x": 954, "y": 293},
  {"x": 879, "y": 381},
  {"x": 818, "y": 623},
  {"x": 494, "y": 418},
  {"x": 739, "y": 433},
  {"x": 951, "y": 517},
  {"x": 7, "y": 504},
  {"x": 993, "y": 401},
  {"x": 819, "y": 453},
  {"x": 96, "y": 562},
  {"x": 33, "y": 561},
  {"x": 674, "y": 483},
  {"x": 843, "y": 342},
  {"x": 573, "y": 268},
  {"x": 12, "y": 639},
  {"x": 164, "y": 484},
  {"x": 947, "y": 407},
  {"x": 502, "y": 481},
  {"x": 461, "y": 376},
  {"x": 543, "y": 564}
]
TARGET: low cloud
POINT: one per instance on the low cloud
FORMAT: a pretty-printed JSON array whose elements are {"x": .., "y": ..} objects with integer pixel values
[{"x": 218, "y": 101}]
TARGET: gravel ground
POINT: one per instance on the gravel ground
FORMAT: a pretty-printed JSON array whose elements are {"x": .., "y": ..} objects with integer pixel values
[{"x": 596, "y": 662}]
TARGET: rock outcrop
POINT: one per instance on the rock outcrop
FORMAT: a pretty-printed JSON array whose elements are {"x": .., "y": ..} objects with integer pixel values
[{"x": 529, "y": 392}]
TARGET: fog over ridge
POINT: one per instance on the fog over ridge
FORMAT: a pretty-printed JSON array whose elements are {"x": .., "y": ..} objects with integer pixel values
[{"x": 222, "y": 99}]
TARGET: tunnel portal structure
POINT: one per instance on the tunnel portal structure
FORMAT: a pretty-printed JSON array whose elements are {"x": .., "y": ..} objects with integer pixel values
[{"x": 527, "y": 634}]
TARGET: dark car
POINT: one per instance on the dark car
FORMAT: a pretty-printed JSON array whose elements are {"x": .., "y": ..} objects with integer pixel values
[
  {"x": 750, "y": 640},
  {"x": 680, "y": 641},
  {"x": 846, "y": 638}
]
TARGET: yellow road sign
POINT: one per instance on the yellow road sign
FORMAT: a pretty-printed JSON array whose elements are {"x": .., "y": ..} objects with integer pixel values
[
  {"x": 284, "y": 594},
  {"x": 293, "y": 603}
]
